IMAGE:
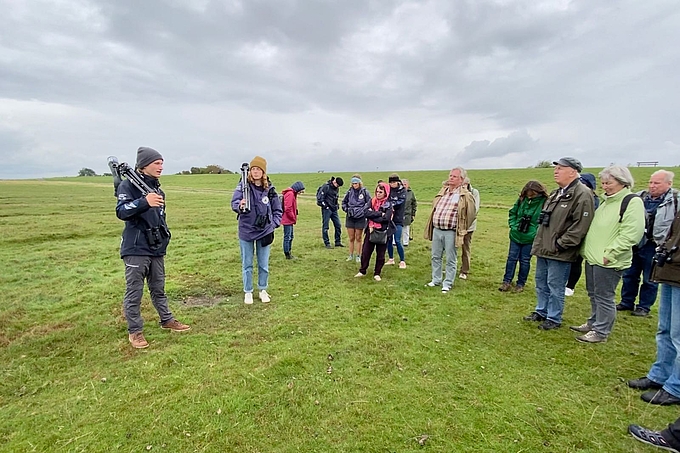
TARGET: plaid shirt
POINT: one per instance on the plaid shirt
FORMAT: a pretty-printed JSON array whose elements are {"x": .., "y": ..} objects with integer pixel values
[{"x": 446, "y": 211}]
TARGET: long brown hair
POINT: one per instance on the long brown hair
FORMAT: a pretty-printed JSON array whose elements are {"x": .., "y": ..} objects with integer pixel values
[{"x": 534, "y": 186}]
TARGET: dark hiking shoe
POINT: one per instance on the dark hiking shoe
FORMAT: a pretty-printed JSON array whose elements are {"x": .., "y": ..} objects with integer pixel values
[
  {"x": 644, "y": 383},
  {"x": 660, "y": 397},
  {"x": 641, "y": 312},
  {"x": 621, "y": 307},
  {"x": 505, "y": 287},
  {"x": 549, "y": 325},
  {"x": 328, "y": 246},
  {"x": 175, "y": 326},
  {"x": 138, "y": 341},
  {"x": 534, "y": 317},
  {"x": 339, "y": 245},
  {"x": 650, "y": 437}
]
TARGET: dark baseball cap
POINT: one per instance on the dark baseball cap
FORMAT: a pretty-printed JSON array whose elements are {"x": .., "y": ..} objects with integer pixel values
[{"x": 570, "y": 162}]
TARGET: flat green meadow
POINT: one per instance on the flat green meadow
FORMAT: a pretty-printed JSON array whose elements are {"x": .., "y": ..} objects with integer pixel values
[{"x": 332, "y": 364}]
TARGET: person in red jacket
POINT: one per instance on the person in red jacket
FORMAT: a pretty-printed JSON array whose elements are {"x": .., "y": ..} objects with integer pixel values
[{"x": 290, "y": 213}]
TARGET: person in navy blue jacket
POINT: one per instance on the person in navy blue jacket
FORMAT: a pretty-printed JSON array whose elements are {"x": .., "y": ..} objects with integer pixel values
[
  {"x": 256, "y": 226},
  {"x": 145, "y": 239},
  {"x": 398, "y": 202}
]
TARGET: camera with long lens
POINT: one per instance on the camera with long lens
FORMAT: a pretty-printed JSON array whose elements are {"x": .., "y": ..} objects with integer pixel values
[
  {"x": 544, "y": 218},
  {"x": 663, "y": 255},
  {"x": 524, "y": 224}
]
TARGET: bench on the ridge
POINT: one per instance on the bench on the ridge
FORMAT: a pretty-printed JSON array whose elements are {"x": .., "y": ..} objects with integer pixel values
[{"x": 648, "y": 163}]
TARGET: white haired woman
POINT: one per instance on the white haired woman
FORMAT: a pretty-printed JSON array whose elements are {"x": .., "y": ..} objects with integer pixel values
[{"x": 618, "y": 225}]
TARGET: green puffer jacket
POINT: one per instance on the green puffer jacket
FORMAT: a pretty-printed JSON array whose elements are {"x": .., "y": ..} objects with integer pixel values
[
  {"x": 530, "y": 207},
  {"x": 611, "y": 239},
  {"x": 570, "y": 217}
]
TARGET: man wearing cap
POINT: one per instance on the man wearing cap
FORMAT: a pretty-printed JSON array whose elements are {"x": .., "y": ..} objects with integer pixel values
[
  {"x": 563, "y": 223},
  {"x": 327, "y": 200},
  {"x": 398, "y": 200},
  {"x": 661, "y": 205},
  {"x": 145, "y": 240}
]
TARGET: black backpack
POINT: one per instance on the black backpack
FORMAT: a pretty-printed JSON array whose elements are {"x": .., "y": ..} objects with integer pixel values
[{"x": 625, "y": 203}]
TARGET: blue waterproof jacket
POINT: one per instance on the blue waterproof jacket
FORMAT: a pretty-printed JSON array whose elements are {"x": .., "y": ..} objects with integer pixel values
[
  {"x": 142, "y": 222},
  {"x": 356, "y": 202},
  {"x": 264, "y": 204}
]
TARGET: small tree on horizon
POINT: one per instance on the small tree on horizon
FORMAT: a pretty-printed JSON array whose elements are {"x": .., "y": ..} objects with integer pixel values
[
  {"x": 543, "y": 164},
  {"x": 86, "y": 172}
]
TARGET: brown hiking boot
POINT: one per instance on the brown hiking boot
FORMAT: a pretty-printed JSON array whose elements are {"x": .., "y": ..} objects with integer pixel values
[
  {"x": 505, "y": 287},
  {"x": 518, "y": 289},
  {"x": 175, "y": 326},
  {"x": 138, "y": 341}
]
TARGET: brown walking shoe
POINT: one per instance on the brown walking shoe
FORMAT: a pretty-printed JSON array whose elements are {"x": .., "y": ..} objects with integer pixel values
[
  {"x": 175, "y": 326},
  {"x": 138, "y": 341},
  {"x": 505, "y": 287}
]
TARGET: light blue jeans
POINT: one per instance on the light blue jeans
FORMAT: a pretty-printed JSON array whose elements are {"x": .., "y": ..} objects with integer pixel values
[
  {"x": 444, "y": 241},
  {"x": 248, "y": 250},
  {"x": 397, "y": 239},
  {"x": 551, "y": 278},
  {"x": 666, "y": 369}
]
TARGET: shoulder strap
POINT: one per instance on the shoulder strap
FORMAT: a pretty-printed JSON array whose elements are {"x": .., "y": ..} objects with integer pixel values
[{"x": 624, "y": 204}]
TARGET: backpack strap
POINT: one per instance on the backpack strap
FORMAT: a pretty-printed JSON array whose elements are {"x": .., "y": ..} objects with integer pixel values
[{"x": 625, "y": 203}]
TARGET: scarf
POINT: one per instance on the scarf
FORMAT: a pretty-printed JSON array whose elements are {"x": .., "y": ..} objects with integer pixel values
[{"x": 376, "y": 204}]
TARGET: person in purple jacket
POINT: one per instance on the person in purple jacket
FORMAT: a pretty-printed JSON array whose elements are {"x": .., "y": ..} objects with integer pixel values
[{"x": 256, "y": 226}]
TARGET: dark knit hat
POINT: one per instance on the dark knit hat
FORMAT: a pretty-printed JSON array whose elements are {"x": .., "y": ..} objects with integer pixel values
[
  {"x": 298, "y": 186},
  {"x": 394, "y": 178},
  {"x": 589, "y": 180},
  {"x": 259, "y": 162},
  {"x": 339, "y": 181},
  {"x": 146, "y": 155}
]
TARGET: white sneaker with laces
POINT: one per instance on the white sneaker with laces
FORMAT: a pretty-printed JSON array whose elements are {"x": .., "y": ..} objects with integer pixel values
[
  {"x": 445, "y": 289},
  {"x": 248, "y": 299},
  {"x": 390, "y": 262},
  {"x": 377, "y": 278},
  {"x": 432, "y": 284},
  {"x": 359, "y": 274},
  {"x": 264, "y": 296},
  {"x": 463, "y": 276},
  {"x": 568, "y": 292}
]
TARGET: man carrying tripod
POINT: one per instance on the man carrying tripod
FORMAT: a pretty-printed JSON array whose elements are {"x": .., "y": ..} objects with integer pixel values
[{"x": 145, "y": 239}]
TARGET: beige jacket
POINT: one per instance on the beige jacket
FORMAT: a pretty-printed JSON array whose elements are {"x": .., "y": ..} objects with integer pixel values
[{"x": 467, "y": 214}]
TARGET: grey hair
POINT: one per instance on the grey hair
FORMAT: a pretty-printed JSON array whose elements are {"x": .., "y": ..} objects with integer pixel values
[
  {"x": 619, "y": 173},
  {"x": 668, "y": 175},
  {"x": 463, "y": 173}
]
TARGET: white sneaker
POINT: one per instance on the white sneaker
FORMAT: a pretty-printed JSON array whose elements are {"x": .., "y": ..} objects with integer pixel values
[
  {"x": 568, "y": 292},
  {"x": 358, "y": 258},
  {"x": 402, "y": 264},
  {"x": 248, "y": 300},
  {"x": 463, "y": 276},
  {"x": 350, "y": 258},
  {"x": 389, "y": 262},
  {"x": 377, "y": 278},
  {"x": 445, "y": 289},
  {"x": 432, "y": 284},
  {"x": 264, "y": 296},
  {"x": 359, "y": 274}
]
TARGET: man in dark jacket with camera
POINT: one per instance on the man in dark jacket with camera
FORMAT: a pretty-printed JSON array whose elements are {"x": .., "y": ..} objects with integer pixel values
[
  {"x": 327, "y": 200},
  {"x": 563, "y": 223},
  {"x": 662, "y": 382},
  {"x": 145, "y": 240}
]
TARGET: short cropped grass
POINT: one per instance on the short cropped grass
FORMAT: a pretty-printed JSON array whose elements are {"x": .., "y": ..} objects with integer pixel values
[{"x": 333, "y": 364}]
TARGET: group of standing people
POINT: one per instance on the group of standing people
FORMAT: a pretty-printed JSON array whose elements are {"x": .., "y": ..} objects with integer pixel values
[{"x": 631, "y": 236}]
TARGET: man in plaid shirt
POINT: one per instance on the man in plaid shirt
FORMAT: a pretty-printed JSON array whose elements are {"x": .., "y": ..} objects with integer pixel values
[{"x": 453, "y": 211}]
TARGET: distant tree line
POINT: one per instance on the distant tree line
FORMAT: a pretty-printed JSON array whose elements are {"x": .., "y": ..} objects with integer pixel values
[{"x": 209, "y": 170}]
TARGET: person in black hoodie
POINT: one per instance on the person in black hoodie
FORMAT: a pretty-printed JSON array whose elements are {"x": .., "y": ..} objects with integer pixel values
[
  {"x": 327, "y": 200},
  {"x": 398, "y": 202},
  {"x": 145, "y": 240}
]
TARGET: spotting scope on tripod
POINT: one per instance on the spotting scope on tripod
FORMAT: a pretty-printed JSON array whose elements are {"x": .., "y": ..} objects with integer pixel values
[
  {"x": 121, "y": 170},
  {"x": 245, "y": 168}
]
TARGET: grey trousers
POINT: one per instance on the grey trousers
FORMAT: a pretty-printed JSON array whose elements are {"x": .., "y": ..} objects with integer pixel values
[
  {"x": 138, "y": 268},
  {"x": 444, "y": 241},
  {"x": 601, "y": 283}
]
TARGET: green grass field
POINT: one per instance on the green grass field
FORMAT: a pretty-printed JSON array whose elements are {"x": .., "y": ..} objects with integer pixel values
[{"x": 333, "y": 364}]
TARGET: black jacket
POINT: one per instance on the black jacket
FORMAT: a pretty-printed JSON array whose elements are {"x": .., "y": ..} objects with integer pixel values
[
  {"x": 327, "y": 196},
  {"x": 383, "y": 216},
  {"x": 398, "y": 201},
  {"x": 142, "y": 222}
]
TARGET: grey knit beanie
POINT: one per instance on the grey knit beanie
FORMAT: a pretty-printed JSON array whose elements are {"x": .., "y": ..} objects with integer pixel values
[{"x": 146, "y": 155}]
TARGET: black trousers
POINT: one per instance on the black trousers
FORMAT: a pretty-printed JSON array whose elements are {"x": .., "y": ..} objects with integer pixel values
[{"x": 672, "y": 434}]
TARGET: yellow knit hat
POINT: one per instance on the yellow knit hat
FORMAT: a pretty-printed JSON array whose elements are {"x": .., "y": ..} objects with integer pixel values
[{"x": 259, "y": 162}]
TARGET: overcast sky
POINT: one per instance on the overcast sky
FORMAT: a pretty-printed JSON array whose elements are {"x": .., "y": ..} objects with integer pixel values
[{"x": 345, "y": 85}]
